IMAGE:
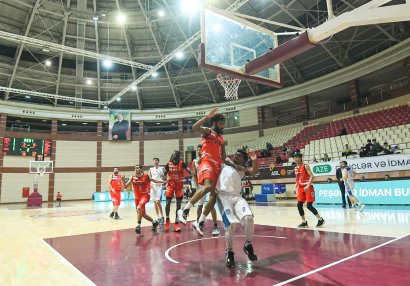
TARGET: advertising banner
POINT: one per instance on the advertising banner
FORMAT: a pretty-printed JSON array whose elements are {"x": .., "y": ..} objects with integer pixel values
[
  {"x": 275, "y": 172},
  {"x": 393, "y": 192},
  {"x": 384, "y": 163}
]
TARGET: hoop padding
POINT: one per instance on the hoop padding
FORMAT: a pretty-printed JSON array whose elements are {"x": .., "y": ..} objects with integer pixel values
[{"x": 230, "y": 85}]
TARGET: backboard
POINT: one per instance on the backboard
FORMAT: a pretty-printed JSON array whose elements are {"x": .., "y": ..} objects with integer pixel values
[
  {"x": 229, "y": 42},
  {"x": 41, "y": 167}
]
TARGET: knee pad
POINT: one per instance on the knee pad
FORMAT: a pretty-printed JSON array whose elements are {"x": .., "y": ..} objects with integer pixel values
[
  {"x": 300, "y": 209},
  {"x": 312, "y": 208}
]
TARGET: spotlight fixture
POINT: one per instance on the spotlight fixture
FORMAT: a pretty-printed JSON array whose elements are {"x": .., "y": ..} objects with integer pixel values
[{"x": 47, "y": 63}]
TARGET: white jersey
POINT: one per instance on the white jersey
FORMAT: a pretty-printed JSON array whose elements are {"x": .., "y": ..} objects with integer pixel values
[
  {"x": 230, "y": 181},
  {"x": 157, "y": 173},
  {"x": 349, "y": 182}
]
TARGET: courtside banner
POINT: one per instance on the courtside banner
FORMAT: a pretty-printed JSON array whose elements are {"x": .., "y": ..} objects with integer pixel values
[
  {"x": 392, "y": 192},
  {"x": 384, "y": 163},
  {"x": 275, "y": 172}
]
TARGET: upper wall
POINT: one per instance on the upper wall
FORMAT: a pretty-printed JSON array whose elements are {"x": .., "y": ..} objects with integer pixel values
[
  {"x": 248, "y": 117},
  {"x": 161, "y": 149},
  {"x": 76, "y": 154},
  {"x": 120, "y": 153}
]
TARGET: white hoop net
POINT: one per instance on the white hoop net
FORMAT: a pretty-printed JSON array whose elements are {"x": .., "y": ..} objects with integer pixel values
[
  {"x": 230, "y": 85},
  {"x": 41, "y": 170}
]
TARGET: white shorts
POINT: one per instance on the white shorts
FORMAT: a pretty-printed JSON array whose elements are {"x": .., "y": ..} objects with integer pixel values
[
  {"x": 233, "y": 208},
  {"x": 156, "y": 192}
]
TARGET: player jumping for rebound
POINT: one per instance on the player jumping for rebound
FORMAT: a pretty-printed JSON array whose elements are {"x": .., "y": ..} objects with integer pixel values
[
  {"x": 209, "y": 167},
  {"x": 174, "y": 170},
  {"x": 347, "y": 178},
  {"x": 195, "y": 224},
  {"x": 305, "y": 191},
  {"x": 141, "y": 185},
  {"x": 233, "y": 207},
  {"x": 156, "y": 172},
  {"x": 116, "y": 184}
]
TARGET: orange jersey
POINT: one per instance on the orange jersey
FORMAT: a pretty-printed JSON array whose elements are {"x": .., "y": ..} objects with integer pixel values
[
  {"x": 116, "y": 182},
  {"x": 302, "y": 177},
  {"x": 212, "y": 147},
  {"x": 141, "y": 185},
  {"x": 59, "y": 196},
  {"x": 175, "y": 172}
]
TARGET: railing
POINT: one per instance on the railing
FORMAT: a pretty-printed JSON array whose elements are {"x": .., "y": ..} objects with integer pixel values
[{"x": 331, "y": 110}]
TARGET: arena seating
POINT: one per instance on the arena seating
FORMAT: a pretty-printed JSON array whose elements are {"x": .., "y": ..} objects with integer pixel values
[{"x": 390, "y": 124}]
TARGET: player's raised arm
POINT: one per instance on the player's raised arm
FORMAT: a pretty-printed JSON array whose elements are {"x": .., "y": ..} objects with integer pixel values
[
  {"x": 251, "y": 171},
  {"x": 198, "y": 125}
]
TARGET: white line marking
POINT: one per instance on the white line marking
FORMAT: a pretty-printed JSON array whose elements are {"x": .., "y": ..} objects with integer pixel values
[
  {"x": 340, "y": 261},
  {"x": 206, "y": 238},
  {"x": 67, "y": 263}
]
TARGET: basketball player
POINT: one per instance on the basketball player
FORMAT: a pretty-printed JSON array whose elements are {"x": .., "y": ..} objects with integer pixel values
[
  {"x": 201, "y": 201},
  {"x": 141, "y": 185},
  {"x": 233, "y": 207},
  {"x": 347, "y": 178},
  {"x": 59, "y": 199},
  {"x": 174, "y": 170},
  {"x": 116, "y": 184},
  {"x": 156, "y": 172},
  {"x": 209, "y": 167},
  {"x": 305, "y": 191}
]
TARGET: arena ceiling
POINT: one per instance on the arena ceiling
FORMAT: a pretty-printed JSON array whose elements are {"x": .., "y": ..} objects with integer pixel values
[{"x": 152, "y": 30}]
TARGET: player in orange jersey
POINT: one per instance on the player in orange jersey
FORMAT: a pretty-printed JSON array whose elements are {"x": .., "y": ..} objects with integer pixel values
[
  {"x": 174, "y": 170},
  {"x": 305, "y": 191},
  {"x": 116, "y": 184},
  {"x": 209, "y": 165},
  {"x": 141, "y": 185}
]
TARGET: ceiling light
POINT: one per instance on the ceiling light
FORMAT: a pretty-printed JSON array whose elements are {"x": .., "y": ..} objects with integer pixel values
[
  {"x": 96, "y": 18},
  {"x": 48, "y": 63},
  {"x": 134, "y": 88},
  {"x": 121, "y": 18},
  {"x": 158, "y": 123},
  {"x": 161, "y": 13},
  {"x": 179, "y": 55},
  {"x": 155, "y": 74},
  {"x": 71, "y": 102},
  {"x": 44, "y": 120},
  {"x": 63, "y": 124},
  {"x": 89, "y": 81},
  {"x": 119, "y": 99},
  {"x": 103, "y": 14},
  {"x": 46, "y": 50},
  {"x": 190, "y": 6},
  {"x": 107, "y": 63},
  {"x": 105, "y": 106},
  {"x": 84, "y": 123},
  {"x": 173, "y": 124},
  {"x": 27, "y": 96}
]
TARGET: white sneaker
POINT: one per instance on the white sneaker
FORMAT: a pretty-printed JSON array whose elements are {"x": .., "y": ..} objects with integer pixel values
[
  {"x": 216, "y": 231},
  {"x": 361, "y": 207},
  {"x": 181, "y": 216},
  {"x": 199, "y": 227}
]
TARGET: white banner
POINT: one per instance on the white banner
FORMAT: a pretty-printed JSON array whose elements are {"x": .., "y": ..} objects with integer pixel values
[{"x": 384, "y": 163}]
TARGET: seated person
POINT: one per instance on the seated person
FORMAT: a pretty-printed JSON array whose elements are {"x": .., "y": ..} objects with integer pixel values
[
  {"x": 372, "y": 152},
  {"x": 376, "y": 145},
  {"x": 343, "y": 131},
  {"x": 363, "y": 152},
  {"x": 348, "y": 151},
  {"x": 314, "y": 160},
  {"x": 325, "y": 158},
  {"x": 278, "y": 159}
]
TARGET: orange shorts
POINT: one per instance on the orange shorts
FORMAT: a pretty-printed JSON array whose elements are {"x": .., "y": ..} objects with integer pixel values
[
  {"x": 116, "y": 197},
  {"x": 174, "y": 189},
  {"x": 208, "y": 171},
  {"x": 306, "y": 196},
  {"x": 141, "y": 201}
]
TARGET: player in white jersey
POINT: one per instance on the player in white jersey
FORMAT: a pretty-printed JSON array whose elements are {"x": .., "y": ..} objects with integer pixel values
[
  {"x": 195, "y": 224},
  {"x": 233, "y": 207},
  {"x": 347, "y": 178},
  {"x": 157, "y": 173}
]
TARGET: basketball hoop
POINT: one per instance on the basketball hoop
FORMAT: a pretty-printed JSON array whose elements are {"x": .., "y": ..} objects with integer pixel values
[
  {"x": 41, "y": 171},
  {"x": 230, "y": 85}
]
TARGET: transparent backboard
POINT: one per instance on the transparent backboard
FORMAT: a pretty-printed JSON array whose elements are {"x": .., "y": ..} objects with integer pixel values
[
  {"x": 37, "y": 167},
  {"x": 230, "y": 42}
]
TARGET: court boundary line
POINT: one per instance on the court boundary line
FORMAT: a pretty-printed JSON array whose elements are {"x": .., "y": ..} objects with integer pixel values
[
  {"x": 69, "y": 264},
  {"x": 207, "y": 238},
  {"x": 340, "y": 261}
]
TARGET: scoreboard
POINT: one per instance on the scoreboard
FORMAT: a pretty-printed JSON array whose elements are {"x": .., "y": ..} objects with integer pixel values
[{"x": 37, "y": 148}]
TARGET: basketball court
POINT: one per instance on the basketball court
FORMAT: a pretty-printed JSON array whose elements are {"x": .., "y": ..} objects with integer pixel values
[{"x": 80, "y": 245}]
